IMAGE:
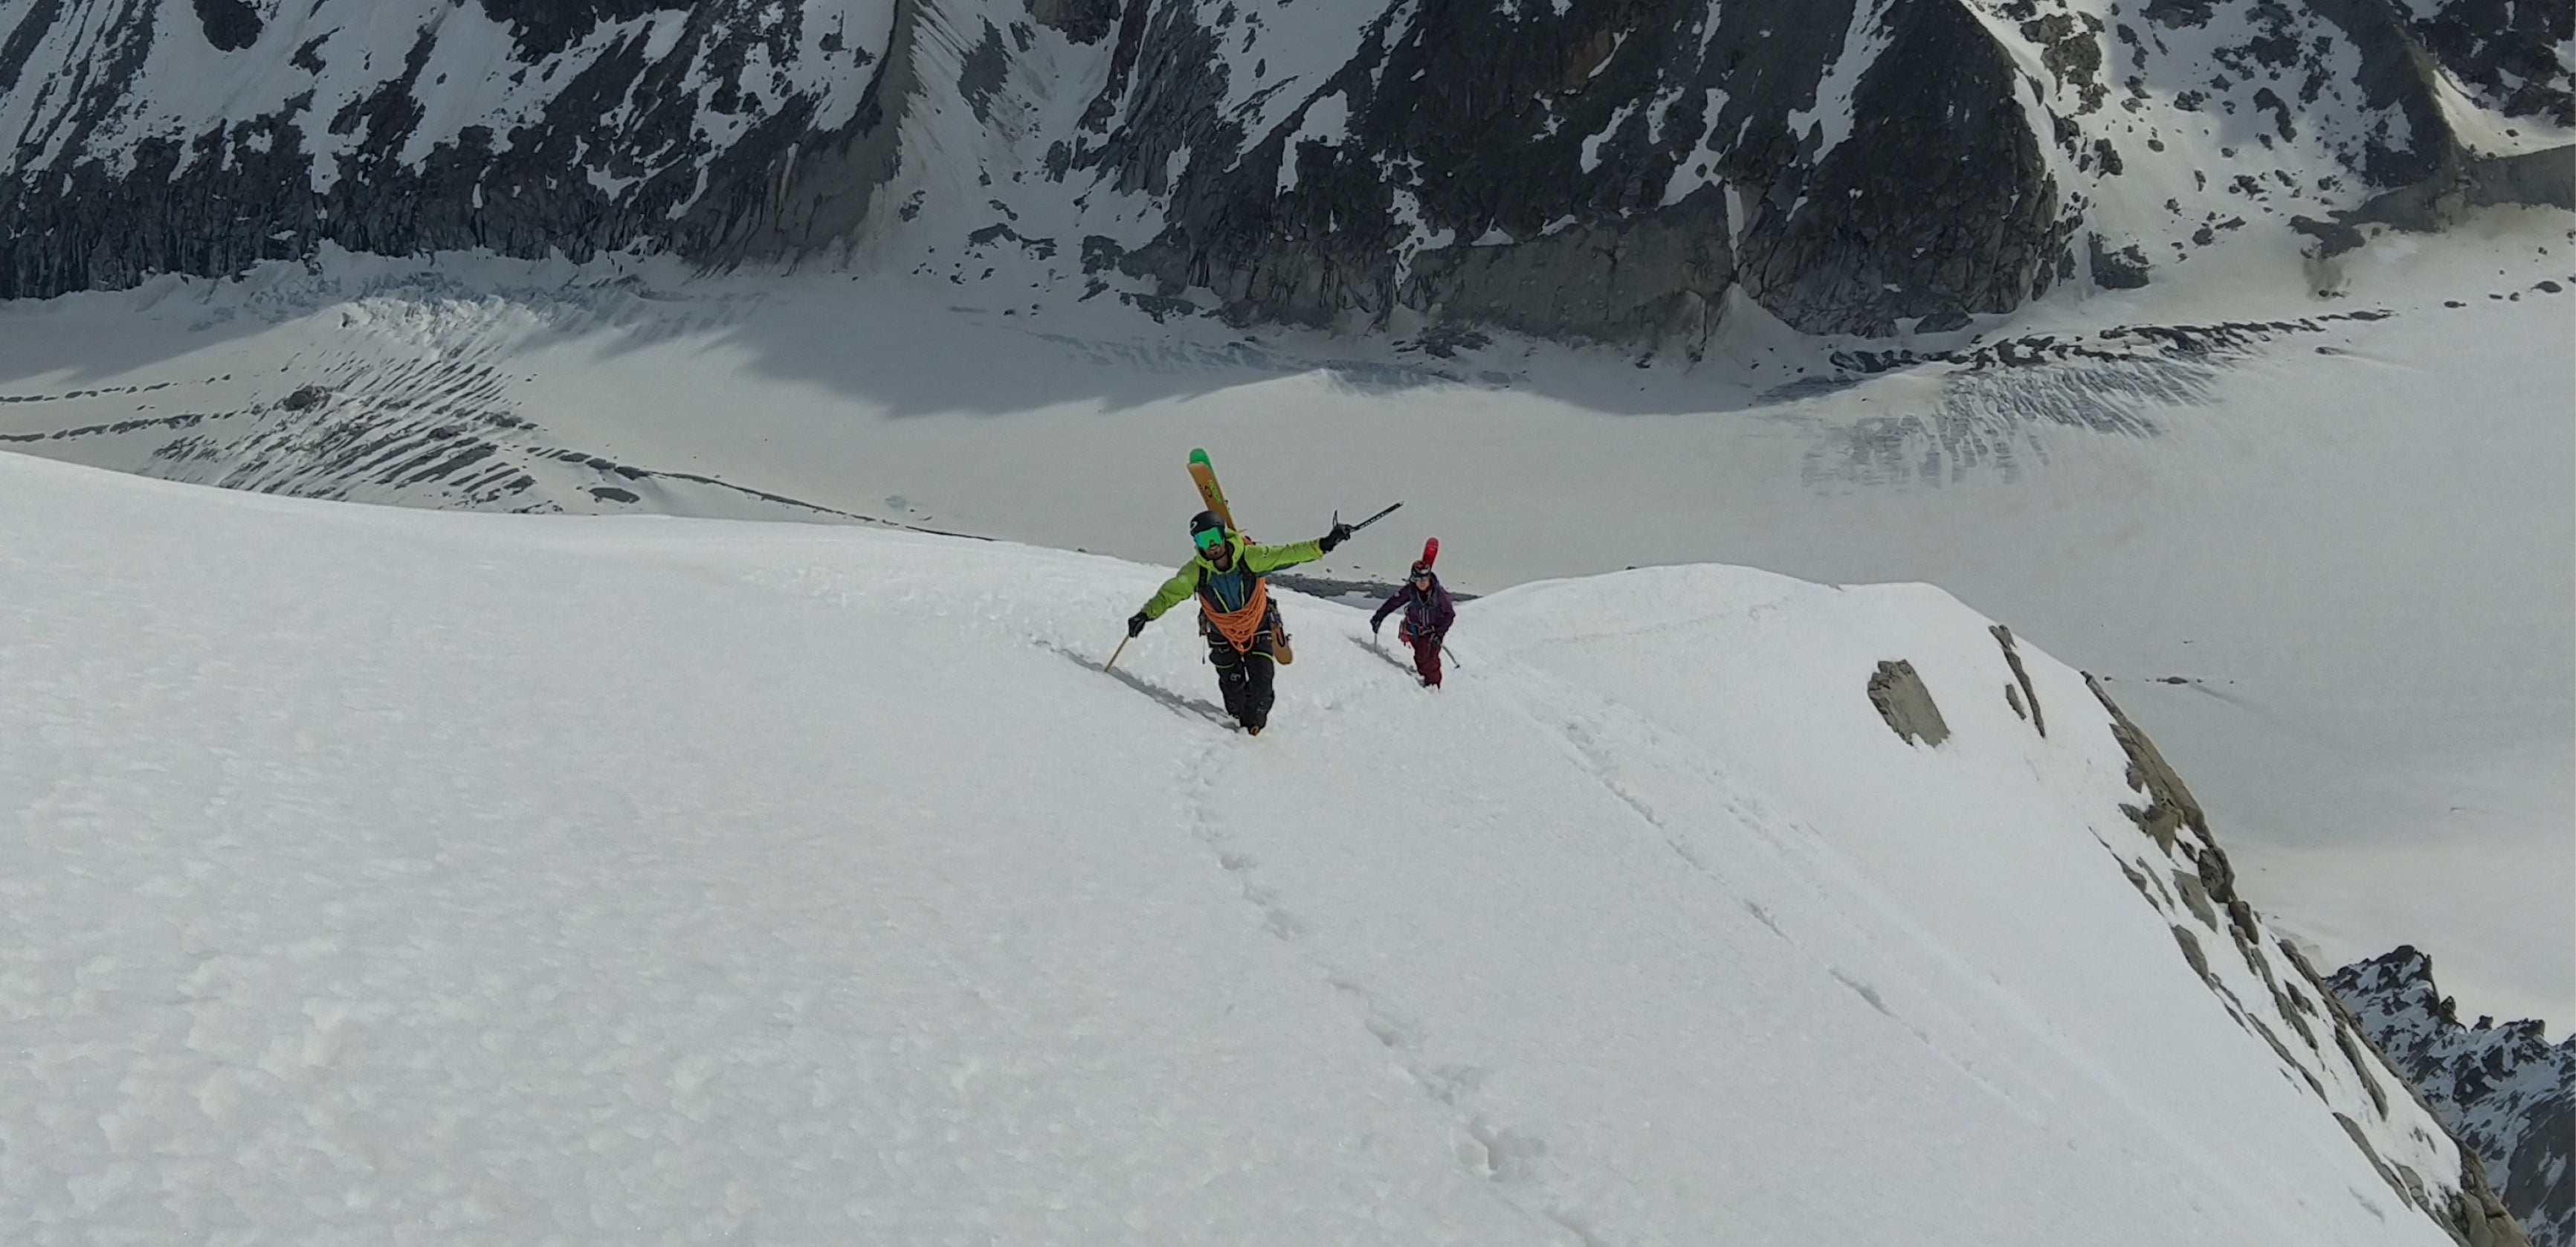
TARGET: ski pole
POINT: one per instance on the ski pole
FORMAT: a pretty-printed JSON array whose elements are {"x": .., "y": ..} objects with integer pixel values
[
  {"x": 1113, "y": 656},
  {"x": 1444, "y": 648}
]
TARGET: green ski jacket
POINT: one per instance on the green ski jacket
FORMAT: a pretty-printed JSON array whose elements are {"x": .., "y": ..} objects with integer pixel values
[{"x": 1228, "y": 590}]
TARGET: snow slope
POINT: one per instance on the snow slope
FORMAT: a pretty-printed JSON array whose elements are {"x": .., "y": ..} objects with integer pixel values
[
  {"x": 2353, "y": 540},
  {"x": 388, "y": 876}
]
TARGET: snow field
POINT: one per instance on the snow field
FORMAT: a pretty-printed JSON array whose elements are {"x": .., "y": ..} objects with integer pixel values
[
  {"x": 2356, "y": 544},
  {"x": 399, "y": 925},
  {"x": 388, "y": 876}
]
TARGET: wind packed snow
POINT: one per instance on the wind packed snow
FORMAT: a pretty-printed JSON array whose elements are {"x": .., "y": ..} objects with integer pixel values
[{"x": 391, "y": 876}]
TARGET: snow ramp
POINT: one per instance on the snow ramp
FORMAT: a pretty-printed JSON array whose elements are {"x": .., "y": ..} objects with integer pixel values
[{"x": 398, "y": 877}]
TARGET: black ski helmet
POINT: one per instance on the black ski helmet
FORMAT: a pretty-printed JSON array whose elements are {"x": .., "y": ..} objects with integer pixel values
[{"x": 1205, "y": 521}]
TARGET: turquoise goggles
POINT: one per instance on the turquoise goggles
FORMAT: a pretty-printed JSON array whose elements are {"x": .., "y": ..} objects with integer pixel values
[{"x": 1209, "y": 540}]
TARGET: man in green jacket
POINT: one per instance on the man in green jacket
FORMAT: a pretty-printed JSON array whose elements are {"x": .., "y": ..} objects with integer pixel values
[{"x": 1228, "y": 575}]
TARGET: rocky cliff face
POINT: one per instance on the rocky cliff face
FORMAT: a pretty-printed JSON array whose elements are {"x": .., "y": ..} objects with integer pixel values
[
  {"x": 2271, "y": 990},
  {"x": 2267, "y": 987},
  {"x": 1609, "y": 170},
  {"x": 2513, "y": 55},
  {"x": 2502, "y": 1090},
  {"x": 153, "y": 137}
]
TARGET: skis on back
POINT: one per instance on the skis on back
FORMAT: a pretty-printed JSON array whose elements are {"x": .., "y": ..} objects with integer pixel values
[
  {"x": 1431, "y": 556},
  {"x": 1203, "y": 474}
]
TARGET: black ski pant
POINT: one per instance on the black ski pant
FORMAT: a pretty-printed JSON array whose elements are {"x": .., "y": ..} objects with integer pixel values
[{"x": 1244, "y": 678}]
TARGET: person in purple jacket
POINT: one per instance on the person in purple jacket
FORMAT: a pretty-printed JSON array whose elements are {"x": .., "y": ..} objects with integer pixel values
[{"x": 1428, "y": 612}]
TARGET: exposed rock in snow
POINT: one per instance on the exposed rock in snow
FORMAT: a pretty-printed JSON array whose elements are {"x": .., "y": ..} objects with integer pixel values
[
  {"x": 1584, "y": 170},
  {"x": 2503, "y": 1091},
  {"x": 2285, "y": 996},
  {"x": 1898, "y": 693}
]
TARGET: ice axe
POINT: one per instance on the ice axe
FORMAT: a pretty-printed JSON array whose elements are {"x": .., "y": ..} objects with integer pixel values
[{"x": 1390, "y": 509}]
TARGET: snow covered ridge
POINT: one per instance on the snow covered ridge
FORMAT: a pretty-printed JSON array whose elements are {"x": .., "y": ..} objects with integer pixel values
[
  {"x": 2503, "y": 1090},
  {"x": 1578, "y": 169},
  {"x": 397, "y": 876}
]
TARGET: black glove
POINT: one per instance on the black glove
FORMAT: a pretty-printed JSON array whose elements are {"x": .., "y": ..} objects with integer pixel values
[
  {"x": 1341, "y": 533},
  {"x": 1136, "y": 623}
]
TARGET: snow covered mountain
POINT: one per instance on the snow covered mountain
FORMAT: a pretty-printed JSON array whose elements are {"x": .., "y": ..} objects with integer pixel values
[
  {"x": 459, "y": 878},
  {"x": 1903, "y": 238},
  {"x": 2504, "y": 1091},
  {"x": 1613, "y": 170}
]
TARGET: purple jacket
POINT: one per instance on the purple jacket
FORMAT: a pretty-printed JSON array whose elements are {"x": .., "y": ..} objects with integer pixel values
[{"x": 1425, "y": 614}]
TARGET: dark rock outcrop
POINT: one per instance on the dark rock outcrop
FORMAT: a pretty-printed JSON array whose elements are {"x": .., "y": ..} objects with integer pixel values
[
  {"x": 2503, "y": 1090},
  {"x": 1523, "y": 171},
  {"x": 231, "y": 25},
  {"x": 1896, "y": 689},
  {"x": 2508, "y": 52}
]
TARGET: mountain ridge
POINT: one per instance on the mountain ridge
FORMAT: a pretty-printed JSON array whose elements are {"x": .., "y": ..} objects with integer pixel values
[
  {"x": 1599, "y": 170},
  {"x": 2505, "y": 1092}
]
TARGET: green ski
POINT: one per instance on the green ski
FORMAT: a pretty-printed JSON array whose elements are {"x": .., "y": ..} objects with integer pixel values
[{"x": 1203, "y": 474}]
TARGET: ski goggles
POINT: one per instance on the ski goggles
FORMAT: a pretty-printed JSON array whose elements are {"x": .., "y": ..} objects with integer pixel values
[{"x": 1209, "y": 539}]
